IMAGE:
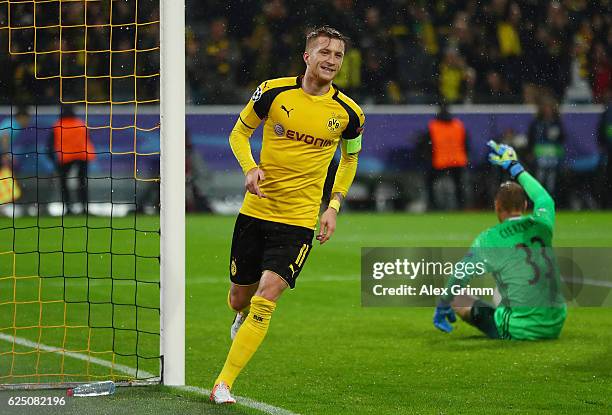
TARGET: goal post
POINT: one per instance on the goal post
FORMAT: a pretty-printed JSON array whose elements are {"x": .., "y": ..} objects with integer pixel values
[
  {"x": 92, "y": 273},
  {"x": 172, "y": 108}
]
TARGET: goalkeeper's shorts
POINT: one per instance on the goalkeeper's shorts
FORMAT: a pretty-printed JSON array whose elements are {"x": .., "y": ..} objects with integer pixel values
[
  {"x": 482, "y": 315},
  {"x": 259, "y": 245}
]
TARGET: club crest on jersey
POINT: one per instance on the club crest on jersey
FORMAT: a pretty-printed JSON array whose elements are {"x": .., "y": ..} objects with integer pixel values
[
  {"x": 257, "y": 94},
  {"x": 333, "y": 124},
  {"x": 279, "y": 130}
]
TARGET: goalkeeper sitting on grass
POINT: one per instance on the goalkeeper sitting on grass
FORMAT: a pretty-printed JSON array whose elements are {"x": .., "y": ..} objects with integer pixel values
[{"x": 518, "y": 253}]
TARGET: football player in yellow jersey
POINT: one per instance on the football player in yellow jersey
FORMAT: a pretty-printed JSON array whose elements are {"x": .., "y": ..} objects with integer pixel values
[{"x": 305, "y": 119}]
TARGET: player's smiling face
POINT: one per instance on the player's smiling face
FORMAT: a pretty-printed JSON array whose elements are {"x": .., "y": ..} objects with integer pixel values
[{"x": 324, "y": 58}]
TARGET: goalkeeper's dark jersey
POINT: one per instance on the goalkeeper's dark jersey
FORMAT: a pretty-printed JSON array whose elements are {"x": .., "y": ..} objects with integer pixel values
[{"x": 518, "y": 253}]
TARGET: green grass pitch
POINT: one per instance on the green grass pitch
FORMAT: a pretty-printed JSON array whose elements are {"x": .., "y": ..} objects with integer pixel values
[{"x": 325, "y": 354}]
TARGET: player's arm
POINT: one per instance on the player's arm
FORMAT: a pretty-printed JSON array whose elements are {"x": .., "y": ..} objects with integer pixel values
[
  {"x": 239, "y": 140},
  {"x": 544, "y": 205},
  {"x": 444, "y": 314},
  {"x": 342, "y": 182},
  {"x": 347, "y": 168}
]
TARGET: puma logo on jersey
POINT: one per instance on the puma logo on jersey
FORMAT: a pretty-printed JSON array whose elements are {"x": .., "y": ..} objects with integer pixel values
[
  {"x": 292, "y": 270},
  {"x": 286, "y": 110}
]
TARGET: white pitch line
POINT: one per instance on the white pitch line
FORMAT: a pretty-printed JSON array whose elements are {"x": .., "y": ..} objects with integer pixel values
[
  {"x": 79, "y": 356},
  {"x": 242, "y": 400},
  {"x": 264, "y": 407}
]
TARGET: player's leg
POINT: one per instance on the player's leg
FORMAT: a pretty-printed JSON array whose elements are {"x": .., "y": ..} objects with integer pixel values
[
  {"x": 245, "y": 267},
  {"x": 245, "y": 271},
  {"x": 239, "y": 296},
  {"x": 477, "y": 313},
  {"x": 250, "y": 334},
  {"x": 462, "y": 305},
  {"x": 285, "y": 251},
  {"x": 239, "y": 300},
  {"x": 457, "y": 176},
  {"x": 64, "y": 170},
  {"x": 430, "y": 181},
  {"x": 83, "y": 191}
]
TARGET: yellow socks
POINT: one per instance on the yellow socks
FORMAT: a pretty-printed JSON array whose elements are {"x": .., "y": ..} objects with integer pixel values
[{"x": 247, "y": 340}]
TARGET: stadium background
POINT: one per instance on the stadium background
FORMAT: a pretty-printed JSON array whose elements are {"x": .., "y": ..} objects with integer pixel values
[
  {"x": 466, "y": 53},
  {"x": 404, "y": 53}
]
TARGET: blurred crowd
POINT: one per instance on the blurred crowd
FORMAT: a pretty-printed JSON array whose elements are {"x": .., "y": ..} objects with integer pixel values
[
  {"x": 414, "y": 52},
  {"x": 402, "y": 52},
  {"x": 101, "y": 52}
]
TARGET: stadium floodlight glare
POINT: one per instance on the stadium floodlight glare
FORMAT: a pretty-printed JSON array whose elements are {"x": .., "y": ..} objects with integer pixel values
[{"x": 99, "y": 295}]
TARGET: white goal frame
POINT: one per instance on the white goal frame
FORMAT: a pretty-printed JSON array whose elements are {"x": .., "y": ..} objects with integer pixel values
[{"x": 172, "y": 191}]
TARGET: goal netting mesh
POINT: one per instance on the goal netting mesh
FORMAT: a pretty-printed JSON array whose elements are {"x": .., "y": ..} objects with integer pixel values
[{"x": 79, "y": 226}]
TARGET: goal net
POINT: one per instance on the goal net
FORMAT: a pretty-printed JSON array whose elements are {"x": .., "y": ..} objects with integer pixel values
[{"x": 80, "y": 222}]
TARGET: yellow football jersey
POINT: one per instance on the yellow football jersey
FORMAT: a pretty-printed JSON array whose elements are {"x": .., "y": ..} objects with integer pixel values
[{"x": 300, "y": 135}]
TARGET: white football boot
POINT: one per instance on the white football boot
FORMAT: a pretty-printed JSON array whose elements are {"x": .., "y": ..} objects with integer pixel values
[
  {"x": 240, "y": 318},
  {"x": 221, "y": 394}
]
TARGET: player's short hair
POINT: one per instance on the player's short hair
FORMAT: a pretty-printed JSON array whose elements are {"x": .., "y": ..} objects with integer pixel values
[
  {"x": 510, "y": 197},
  {"x": 326, "y": 31}
]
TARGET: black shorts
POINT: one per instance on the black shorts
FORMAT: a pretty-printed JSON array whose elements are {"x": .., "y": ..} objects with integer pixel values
[
  {"x": 259, "y": 245},
  {"x": 482, "y": 315}
]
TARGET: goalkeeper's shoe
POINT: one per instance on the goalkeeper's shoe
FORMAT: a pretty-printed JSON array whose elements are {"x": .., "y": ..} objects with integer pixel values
[
  {"x": 443, "y": 313},
  {"x": 240, "y": 318},
  {"x": 221, "y": 394}
]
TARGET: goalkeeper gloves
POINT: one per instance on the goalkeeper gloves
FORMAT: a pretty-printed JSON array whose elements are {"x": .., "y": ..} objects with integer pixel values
[
  {"x": 443, "y": 313},
  {"x": 504, "y": 156}
]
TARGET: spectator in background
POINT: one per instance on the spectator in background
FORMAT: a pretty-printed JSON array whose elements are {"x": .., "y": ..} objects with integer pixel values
[
  {"x": 416, "y": 47},
  {"x": 456, "y": 78},
  {"x": 375, "y": 46},
  {"x": 601, "y": 76},
  {"x": 197, "y": 179},
  {"x": 193, "y": 50},
  {"x": 546, "y": 139},
  {"x": 579, "y": 89},
  {"x": 447, "y": 139},
  {"x": 496, "y": 91},
  {"x": 220, "y": 59},
  {"x": 604, "y": 139},
  {"x": 71, "y": 149},
  {"x": 10, "y": 129},
  {"x": 269, "y": 44},
  {"x": 558, "y": 48},
  {"x": 510, "y": 46}
]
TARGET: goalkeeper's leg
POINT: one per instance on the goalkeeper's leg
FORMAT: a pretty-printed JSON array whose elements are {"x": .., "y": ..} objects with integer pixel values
[{"x": 477, "y": 313}]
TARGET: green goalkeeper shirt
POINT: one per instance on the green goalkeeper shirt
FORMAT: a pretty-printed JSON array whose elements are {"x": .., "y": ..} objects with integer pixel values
[{"x": 518, "y": 253}]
